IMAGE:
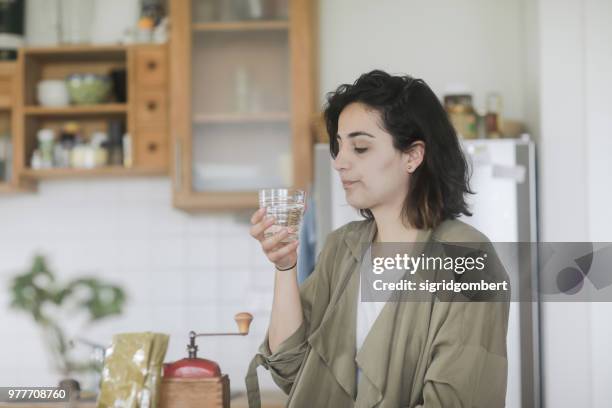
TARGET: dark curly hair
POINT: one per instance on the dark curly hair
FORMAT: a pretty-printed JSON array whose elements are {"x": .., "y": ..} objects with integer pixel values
[{"x": 410, "y": 111}]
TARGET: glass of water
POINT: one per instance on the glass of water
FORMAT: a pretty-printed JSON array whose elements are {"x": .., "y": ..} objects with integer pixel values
[{"x": 287, "y": 207}]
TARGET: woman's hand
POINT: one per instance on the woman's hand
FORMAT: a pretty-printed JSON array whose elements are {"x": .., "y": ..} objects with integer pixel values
[
  {"x": 287, "y": 313},
  {"x": 282, "y": 255}
]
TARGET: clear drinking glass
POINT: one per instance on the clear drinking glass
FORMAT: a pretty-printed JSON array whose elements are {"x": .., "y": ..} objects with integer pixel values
[{"x": 287, "y": 207}]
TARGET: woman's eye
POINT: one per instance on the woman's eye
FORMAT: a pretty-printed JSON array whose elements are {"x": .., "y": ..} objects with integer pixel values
[{"x": 361, "y": 149}]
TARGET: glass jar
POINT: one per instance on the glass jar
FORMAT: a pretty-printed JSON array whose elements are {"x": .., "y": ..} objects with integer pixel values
[{"x": 493, "y": 116}]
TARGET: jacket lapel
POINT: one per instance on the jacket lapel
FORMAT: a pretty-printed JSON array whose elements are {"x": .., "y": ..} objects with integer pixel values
[
  {"x": 373, "y": 357},
  {"x": 334, "y": 340},
  {"x": 375, "y": 353}
]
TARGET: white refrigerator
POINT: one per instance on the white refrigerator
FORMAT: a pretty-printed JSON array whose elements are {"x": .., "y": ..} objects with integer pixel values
[{"x": 504, "y": 209}]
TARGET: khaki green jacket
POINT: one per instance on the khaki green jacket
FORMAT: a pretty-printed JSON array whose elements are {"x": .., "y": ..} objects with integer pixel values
[{"x": 417, "y": 354}]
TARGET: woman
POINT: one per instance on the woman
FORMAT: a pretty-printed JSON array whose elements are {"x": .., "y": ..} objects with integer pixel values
[{"x": 401, "y": 165}]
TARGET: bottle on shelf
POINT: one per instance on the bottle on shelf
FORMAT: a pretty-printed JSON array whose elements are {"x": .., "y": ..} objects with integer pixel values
[
  {"x": 65, "y": 145},
  {"x": 46, "y": 142},
  {"x": 36, "y": 160},
  {"x": 116, "y": 129},
  {"x": 5, "y": 147},
  {"x": 98, "y": 153},
  {"x": 127, "y": 150},
  {"x": 241, "y": 89}
]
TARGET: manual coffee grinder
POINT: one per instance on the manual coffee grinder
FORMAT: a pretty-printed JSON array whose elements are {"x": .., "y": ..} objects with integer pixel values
[{"x": 199, "y": 382}]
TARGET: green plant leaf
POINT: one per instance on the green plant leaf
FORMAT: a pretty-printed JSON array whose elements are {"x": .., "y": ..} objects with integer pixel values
[{"x": 33, "y": 290}]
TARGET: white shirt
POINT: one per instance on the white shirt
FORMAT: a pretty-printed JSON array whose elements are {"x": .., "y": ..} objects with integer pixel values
[{"x": 367, "y": 313}]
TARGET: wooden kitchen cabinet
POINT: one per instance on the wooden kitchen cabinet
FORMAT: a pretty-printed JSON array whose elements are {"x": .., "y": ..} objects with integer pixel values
[
  {"x": 242, "y": 80},
  {"x": 144, "y": 113},
  {"x": 10, "y": 126}
]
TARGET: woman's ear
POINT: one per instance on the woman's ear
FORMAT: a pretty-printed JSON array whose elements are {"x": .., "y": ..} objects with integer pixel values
[{"x": 415, "y": 156}]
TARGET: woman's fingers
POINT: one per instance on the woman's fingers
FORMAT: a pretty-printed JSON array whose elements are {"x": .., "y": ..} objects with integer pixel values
[
  {"x": 258, "y": 229},
  {"x": 270, "y": 243},
  {"x": 258, "y": 215},
  {"x": 281, "y": 253},
  {"x": 275, "y": 249}
]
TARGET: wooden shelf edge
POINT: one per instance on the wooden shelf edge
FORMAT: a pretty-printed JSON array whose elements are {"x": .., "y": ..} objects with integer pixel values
[
  {"x": 255, "y": 117},
  {"x": 74, "y": 49},
  {"x": 80, "y": 404},
  {"x": 216, "y": 201},
  {"x": 118, "y": 171},
  {"x": 6, "y": 187},
  {"x": 9, "y": 188},
  {"x": 261, "y": 25},
  {"x": 8, "y": 67},
  {"x": 77, "y": 109}
]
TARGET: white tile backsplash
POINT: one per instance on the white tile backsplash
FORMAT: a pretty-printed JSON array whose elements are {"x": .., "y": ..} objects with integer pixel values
[
  {"x": 181, "y": 271},
  {"x": 234, "y": 250},
  {"x": 201, "y": 287},
  {"x": 202, "y": 252},
  {"x": 197, "y": 225}
]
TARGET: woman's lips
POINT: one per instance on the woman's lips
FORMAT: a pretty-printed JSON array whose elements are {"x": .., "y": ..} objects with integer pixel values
[{"x": 347, "y": 184}]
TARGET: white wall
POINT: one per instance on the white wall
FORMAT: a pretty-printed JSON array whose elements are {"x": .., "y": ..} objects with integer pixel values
[
  {"x": 530, "y": 44},
  {"x": 474, "y": 42},
  {"x": 566, "y": 368},
  {"x": 598, "y": 84},
  {"x": 572, "y": 89}
]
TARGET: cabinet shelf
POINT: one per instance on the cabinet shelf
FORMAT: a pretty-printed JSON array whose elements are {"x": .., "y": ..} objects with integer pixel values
[
  {"x": 146, "y": 80},
  {"x": 264, "y": 66},
  {"x": 271, "y": 25},
  {"x": 114, "y": 171},
  {"x": 218, "y": 201},
  {"x": 259, "y": 117},
  {"x": 107, "y": 108},
  {"x": 6, "y": 187},
  {"x": 88, "y": 52}
]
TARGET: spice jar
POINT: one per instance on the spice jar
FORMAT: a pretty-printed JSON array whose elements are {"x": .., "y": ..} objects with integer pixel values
[{"x": 462, "y": 115}]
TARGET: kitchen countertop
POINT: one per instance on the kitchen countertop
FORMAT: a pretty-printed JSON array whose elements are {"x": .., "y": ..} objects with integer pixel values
[
  {"x": 269, "y": 399},
  {"x": 46, "y": 405}
]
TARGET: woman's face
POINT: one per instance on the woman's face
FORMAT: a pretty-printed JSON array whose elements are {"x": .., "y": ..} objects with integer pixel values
[{"x": 373, "y": 173}]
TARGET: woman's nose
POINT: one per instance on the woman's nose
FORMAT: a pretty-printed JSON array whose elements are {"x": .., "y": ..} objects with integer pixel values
[{"x": 340, "y": 161}]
